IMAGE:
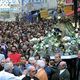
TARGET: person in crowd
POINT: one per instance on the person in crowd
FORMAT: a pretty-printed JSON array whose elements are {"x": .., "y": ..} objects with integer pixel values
[
  {"x": 37, "y": 56},
  {"x": 4, "y": 49},
  {"x": 55, "y": 67},
  {"x": 5, "y": 75},
  {"x": 41, "y": 74},
  {"x": 31, "y": 74},
  {"x": 54, "y": 71},
  {"x": 63, "y": 14},
  {"x": 17, "y": 71},
  {"x": 8, "y": 67},
  {"x": 55, "y": 15},
  {"x": 64, "y": 73},
  {"x": 57, "y": 59},
  {"x": 24, "y": 50},
  {"x": 47, "y": 67},
  {"x": 32, "y": 61},
  {"x": 1, "y": 67},
  {"x": 14, "y": 55},
  {"x": 2, "y": 57},
  {"x": 22, "y": 64},
  {"x": 78, "y": 66}
]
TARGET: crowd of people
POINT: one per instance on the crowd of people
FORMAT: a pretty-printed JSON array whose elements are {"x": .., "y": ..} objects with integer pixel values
[
  {"x": 16, "y": 53},
  {"x": 19, "y": 34},
  {"x": 17, "y": 67},
  {"x": 16, "y": 60}
]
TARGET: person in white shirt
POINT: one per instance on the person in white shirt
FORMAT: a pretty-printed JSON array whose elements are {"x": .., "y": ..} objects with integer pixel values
[
  {"x": 8, "y": 76},
  {"x": 5, "y": 73}
]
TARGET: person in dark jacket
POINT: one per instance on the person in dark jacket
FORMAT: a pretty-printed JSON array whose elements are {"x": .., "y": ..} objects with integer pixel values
[
  {"x": 64, "y": 73},
  {"x": 55, "y": 67},
  {"x": 54, "y": 71},
  {"x": 29, "y": 78},
  {"x": 57, "y": 59},
  {"x": 31, "y": 74},
  {"x": 47, "y": 67}
]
